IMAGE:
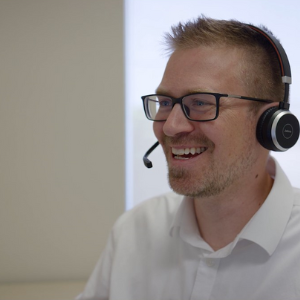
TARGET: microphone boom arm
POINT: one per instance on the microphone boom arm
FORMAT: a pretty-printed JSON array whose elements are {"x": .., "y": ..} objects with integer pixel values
[{"x": 146, "y": 161}]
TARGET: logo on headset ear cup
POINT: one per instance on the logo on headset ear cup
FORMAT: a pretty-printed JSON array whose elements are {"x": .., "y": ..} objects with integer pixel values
[{"x": 277, "y": 129}]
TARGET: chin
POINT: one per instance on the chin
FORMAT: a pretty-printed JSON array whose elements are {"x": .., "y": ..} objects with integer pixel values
[
  {"x": 184, "y": 183},
  {"x": 185, "y": 186}
]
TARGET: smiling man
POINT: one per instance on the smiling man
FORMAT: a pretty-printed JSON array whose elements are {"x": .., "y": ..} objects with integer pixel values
[
  {"x": 227, "y": 179},
  {"x": 231, "y": 230}
]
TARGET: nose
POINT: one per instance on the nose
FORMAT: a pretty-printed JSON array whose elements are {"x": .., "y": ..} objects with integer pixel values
[{"x": 177, "y": 122}]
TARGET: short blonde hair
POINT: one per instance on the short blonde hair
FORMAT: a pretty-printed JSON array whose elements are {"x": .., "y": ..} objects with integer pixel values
[{"x": 260, "y": 69}]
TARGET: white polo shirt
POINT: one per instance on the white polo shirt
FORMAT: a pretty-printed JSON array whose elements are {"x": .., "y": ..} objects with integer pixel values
[{"x": 155, "y": 251}]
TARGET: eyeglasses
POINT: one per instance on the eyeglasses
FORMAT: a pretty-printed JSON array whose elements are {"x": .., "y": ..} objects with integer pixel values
[{"x": 199, "y": 107}]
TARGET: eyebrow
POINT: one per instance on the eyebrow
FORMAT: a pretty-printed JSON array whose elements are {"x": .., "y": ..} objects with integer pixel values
[{"x": 161, "y": 91}]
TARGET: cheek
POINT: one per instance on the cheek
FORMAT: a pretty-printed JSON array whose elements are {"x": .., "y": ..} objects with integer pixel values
[
  {"x": 241, "y": 138},
  {"x": 158, "y": 130},
  {"x": 231, "y": 138}
]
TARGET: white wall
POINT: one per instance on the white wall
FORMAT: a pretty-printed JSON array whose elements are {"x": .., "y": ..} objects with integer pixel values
[{"x": 61, "y": 135}]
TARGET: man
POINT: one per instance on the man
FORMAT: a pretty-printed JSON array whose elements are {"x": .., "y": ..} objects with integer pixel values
[{"x": 232, "y": 230}]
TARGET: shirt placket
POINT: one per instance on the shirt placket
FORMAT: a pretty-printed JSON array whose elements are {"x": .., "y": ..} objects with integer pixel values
[{"x": 205, "y": 278}]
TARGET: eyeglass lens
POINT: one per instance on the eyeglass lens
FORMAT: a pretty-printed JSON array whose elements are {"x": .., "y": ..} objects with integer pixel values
[{"x": 196, "y": 107}]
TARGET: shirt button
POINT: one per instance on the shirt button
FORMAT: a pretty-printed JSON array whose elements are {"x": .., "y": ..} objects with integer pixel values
[{"x": 209, "y": 262}]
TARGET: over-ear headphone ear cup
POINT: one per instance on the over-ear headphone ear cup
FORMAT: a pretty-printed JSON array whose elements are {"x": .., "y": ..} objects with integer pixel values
[
  {"x": 262, "y": 129},
  {"x": 277, "y": 129}
]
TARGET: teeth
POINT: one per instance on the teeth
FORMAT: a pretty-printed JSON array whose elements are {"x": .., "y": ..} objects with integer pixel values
[
  {"x": 180, "y": 152},
  {"x": 186, "y": 151}
]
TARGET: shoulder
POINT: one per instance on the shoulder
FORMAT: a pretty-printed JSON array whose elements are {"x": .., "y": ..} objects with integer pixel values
[{"x": 150, "y": 214}]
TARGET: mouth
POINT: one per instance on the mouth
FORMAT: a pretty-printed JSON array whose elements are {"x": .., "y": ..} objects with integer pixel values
[{"x": 187, "y": 153}]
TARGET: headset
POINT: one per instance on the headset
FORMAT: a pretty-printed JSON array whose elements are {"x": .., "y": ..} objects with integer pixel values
[{"x": 277, "y": 128}]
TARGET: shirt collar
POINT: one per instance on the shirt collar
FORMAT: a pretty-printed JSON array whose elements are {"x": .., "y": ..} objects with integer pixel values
[
  {"x": 185, "y": 225},
  {"x": 265, "y": 228}
]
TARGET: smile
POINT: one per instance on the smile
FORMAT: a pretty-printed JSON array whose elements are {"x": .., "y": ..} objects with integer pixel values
[{"x": 187, "y": 153}]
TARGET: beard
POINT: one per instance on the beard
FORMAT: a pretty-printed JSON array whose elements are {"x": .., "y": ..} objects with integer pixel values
[
  {"x": 212, "y": 179},
  {"x": 211, "y": 184}
]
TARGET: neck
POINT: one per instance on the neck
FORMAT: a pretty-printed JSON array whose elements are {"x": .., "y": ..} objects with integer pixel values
[{"x": 221, "y": 218}]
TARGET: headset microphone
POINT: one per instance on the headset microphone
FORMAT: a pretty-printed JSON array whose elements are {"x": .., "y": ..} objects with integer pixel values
[{"x": 147, "y": 162}]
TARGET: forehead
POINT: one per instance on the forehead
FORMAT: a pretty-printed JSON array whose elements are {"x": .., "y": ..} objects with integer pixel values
[{"x": 205, "y": 68}]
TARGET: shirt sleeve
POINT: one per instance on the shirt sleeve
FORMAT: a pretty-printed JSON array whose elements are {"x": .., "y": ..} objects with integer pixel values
[{"x": 98, "y": 285}]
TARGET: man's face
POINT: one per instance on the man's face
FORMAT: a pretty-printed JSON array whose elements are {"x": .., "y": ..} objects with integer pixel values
[{"x": 228, "y": 146}]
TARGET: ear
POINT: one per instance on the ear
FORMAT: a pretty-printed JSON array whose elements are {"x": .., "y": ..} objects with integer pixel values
[{"x": 266, "y": 107}]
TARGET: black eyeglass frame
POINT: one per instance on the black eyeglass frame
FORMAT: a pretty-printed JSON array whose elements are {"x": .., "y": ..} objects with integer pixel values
[{"x": 217, "y": 96}]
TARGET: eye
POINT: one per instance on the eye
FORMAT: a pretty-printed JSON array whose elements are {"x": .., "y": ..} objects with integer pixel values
[
  {"x": 198, "y": 102},
  {"x": 165, "y": 102}
]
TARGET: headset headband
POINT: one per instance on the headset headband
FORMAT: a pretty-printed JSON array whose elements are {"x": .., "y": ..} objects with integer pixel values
[
  {"x": 282, "y": 57},
  {"x": 285, "y": 68}
]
